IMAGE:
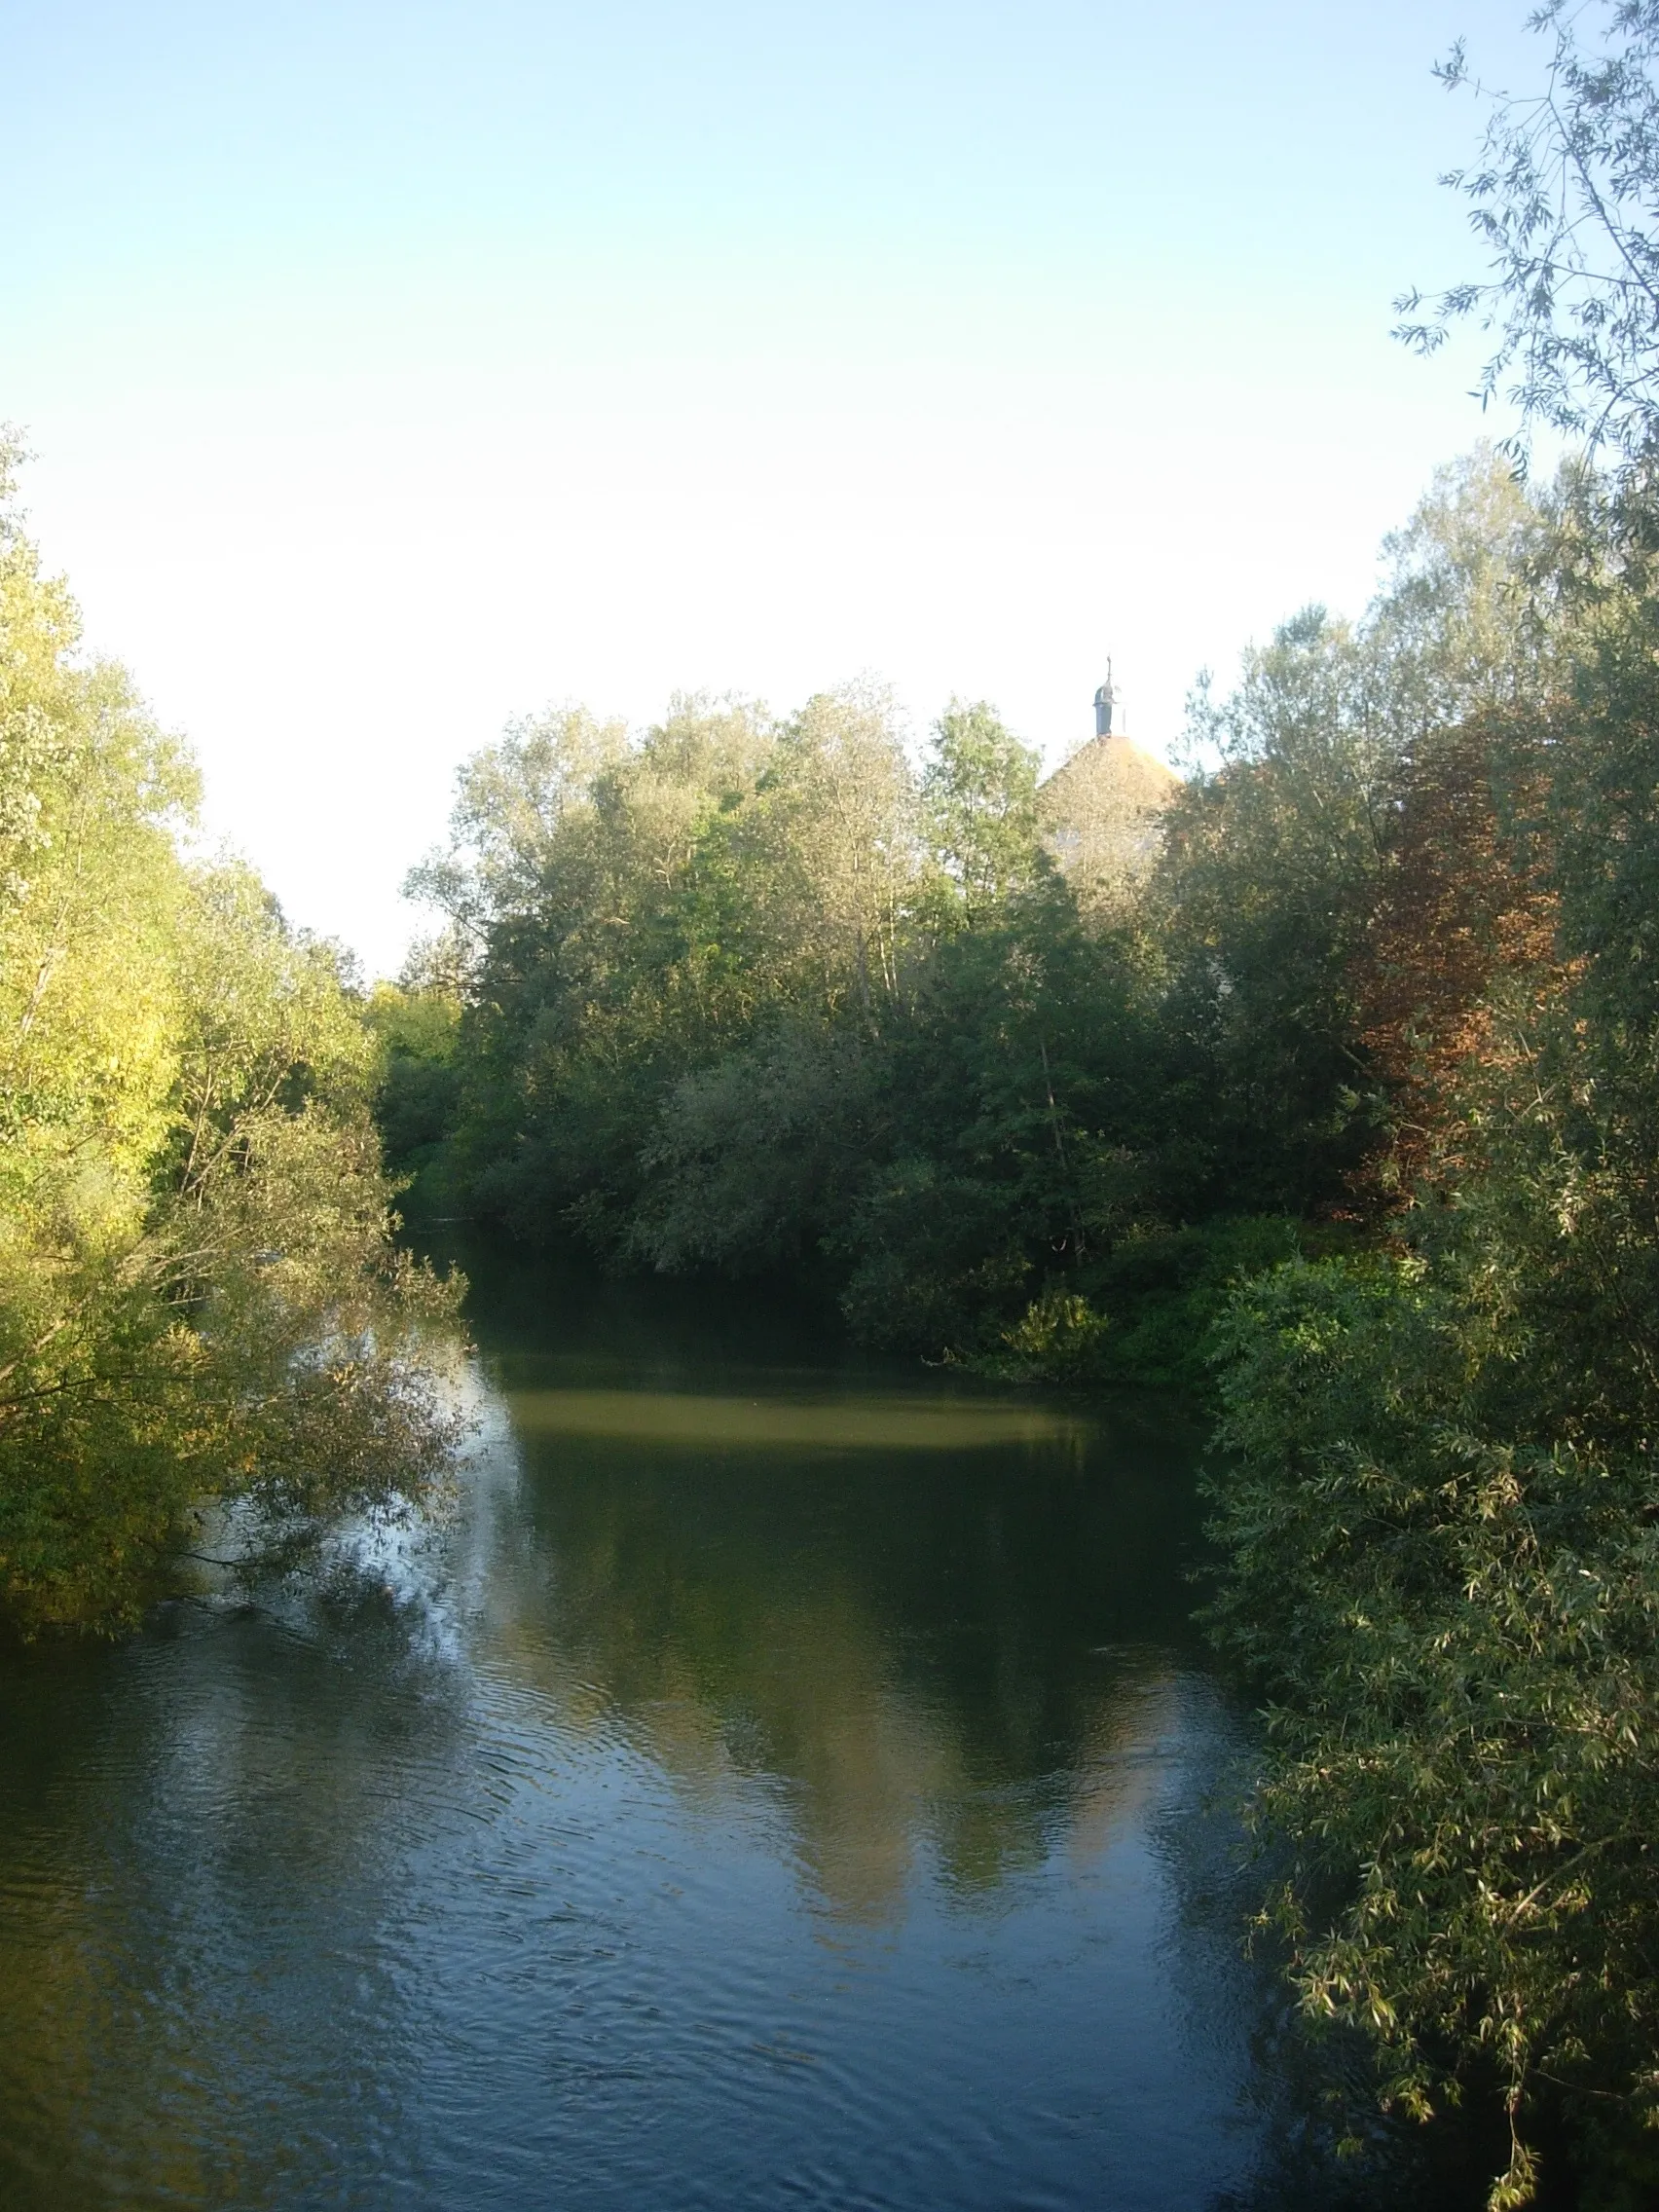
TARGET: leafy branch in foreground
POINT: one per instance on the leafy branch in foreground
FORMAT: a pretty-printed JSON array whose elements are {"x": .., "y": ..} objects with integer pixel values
[{"x": 1563, "y": 197}]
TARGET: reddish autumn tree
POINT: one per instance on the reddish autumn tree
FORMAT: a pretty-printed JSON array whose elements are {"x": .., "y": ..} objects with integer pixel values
[{"x": 1464, "y": 901}]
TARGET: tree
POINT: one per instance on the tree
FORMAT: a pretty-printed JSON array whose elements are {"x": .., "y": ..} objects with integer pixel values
[
  {"x": 834, "y": 851},
  {"x": 1276, "y": 863},
  {"x": 1437, "y": 1504},
  {"x": 199, "y": 1295},
  {"x": 979, "y": 807}
]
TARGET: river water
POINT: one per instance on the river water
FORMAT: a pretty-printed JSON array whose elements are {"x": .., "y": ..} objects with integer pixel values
[{"x": 785, "y": 1782}]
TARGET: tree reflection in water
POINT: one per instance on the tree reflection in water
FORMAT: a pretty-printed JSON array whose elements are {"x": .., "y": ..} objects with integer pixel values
[
  {"x": 785, "y": 1781},
  {"x": 892, "y": 1604}
]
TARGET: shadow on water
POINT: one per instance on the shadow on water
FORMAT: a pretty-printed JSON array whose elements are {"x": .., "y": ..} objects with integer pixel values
[{"x": 793, "y": 1780}]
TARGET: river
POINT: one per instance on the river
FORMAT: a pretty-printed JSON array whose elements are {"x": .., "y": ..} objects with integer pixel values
[{"x": 786, "y": 1781}]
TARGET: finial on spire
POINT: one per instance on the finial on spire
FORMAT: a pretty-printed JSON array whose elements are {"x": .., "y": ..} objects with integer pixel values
[{"x": 1104, "y": 701}]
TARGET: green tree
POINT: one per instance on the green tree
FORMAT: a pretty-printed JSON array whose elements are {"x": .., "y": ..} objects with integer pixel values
[
  {"x": 199, "y": 1297},
  {"x": 1276, "y": 859},
  {"x": 1437, "y": 1504},
  {"x": 979, "y": 807}
]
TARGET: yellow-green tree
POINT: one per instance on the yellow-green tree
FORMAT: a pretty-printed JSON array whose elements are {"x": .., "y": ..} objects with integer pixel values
[{"x": 199, "y": 1297}]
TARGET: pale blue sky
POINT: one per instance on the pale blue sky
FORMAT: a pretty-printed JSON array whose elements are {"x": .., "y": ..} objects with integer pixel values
[{"x": 395, "y": 369}]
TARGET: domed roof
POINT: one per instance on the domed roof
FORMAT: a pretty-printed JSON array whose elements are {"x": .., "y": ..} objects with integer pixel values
[
  {"x": 1114, "y": 763},
  {"x": 1100, "y": 810}
]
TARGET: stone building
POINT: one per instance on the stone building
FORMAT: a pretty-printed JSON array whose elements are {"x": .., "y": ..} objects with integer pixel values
[{"x": 1100, "y": 811}]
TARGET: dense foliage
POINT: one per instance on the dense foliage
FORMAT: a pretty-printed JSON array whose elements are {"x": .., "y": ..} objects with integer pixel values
[
  {"x": 199, "y": 1305},
  {"x": 750, "y": 994},
  {"x": 1341, "y": 1075},
  {"x": 1439, "y": 1491},
  {"x": 1361, "y": 1073},
  {"x": 1440, "y": 1503},
  {"x": 1354, "y": 1084}
]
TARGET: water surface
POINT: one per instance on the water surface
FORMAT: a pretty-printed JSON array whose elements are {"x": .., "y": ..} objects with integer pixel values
[{"x": 782, "y": 1786}]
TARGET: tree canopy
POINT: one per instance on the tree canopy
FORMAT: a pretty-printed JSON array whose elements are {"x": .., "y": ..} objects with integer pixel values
[{"x": 199, "y": 1300}]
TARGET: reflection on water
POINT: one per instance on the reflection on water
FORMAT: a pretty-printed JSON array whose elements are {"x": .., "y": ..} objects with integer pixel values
[
  {"x": 780, "y": 1787},
  {"x": 862, "y": 1421}
]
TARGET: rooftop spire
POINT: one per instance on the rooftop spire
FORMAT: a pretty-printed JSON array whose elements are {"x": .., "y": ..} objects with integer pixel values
[{"x": 1104, "y": 701}]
